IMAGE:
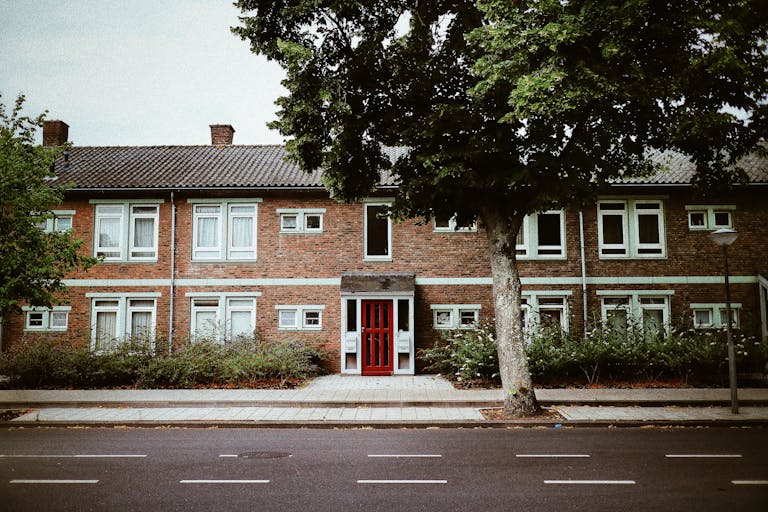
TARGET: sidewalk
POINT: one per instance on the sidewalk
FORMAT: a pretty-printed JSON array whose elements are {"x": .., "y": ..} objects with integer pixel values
[{"x": 351, "y": 401}]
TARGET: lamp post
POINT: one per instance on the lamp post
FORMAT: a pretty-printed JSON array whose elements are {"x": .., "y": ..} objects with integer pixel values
[{"x": 724, "y": 238}]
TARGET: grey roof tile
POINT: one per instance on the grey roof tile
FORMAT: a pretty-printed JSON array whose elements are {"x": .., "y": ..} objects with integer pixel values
[{"x": 194, "y": 167}]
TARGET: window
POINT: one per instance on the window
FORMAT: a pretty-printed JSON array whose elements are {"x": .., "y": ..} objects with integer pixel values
[
  {"x": 710, "y": 217},
  {"x": 447, "y": 225},
  {"x": 378, "y": 232},
  {"x": 46, "y": 319},
  {"x": 301, "y": 220},
  {"x": 224, "y": 231},
  {"x": 455, "y": 316},
  {"x": 56, "y": 221},
  {"x": 546, "y": 308},
  {"x": 707, "y": 316},
  {"x": 222, "y": 317},
  {"x": 300, "y": 318},
  {"x": 116, "y": 318},
  {"x": 631, "y": 229},
  {"x": 126, "y": 232},
  {"x": 647, "y": 309},
  {"x": 542, "y": 235}
]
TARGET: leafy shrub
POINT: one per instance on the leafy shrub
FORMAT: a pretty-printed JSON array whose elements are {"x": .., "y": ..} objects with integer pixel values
[
  {"x": 465, "y": 355},
  {"x": 45, "y": 363}
]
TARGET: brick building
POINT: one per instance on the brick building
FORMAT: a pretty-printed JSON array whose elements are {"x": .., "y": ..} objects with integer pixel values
[{"x": 222, "y": 240}]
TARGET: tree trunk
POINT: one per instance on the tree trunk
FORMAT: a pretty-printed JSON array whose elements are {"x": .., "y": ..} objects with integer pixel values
[{"x": 519, "y": 396}]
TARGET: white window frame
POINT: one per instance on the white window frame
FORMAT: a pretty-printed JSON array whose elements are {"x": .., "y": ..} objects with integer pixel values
[
  {"x": 123, "y": 312},
  {"x": 301, "y": 215},
  {"x": 223, "y": 310},
  {"x": 46, "y": 318},
  {"x": 50, "y": 224},
  {"x": 223, "y": 250},
  {"x": 245, "y": 252},
  {"x": 300, "y": 317},
  {"x": 631, "y": 246},
  {"x": 127, "y": 218},
  {"x": 453, "y": 227},
  {"x": 635, "y": 306},
  {"x": 710, "y": 212},
  {"x": 716, "y": 313},
  {"x": 532, "y": 304},
  {"x": 376, "y": 257},
  {"x": 530, "y": 249},
  {"x": 130, "y": 309},
  {"x": 454, "y": 312}
]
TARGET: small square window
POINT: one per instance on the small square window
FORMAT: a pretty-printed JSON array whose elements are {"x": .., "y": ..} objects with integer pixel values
[
  {"x": 311, "y": 319},
  {"x": 443, "y": 319},
  {"x": 723, "y": 219},
  {"x": 313, "y": 222},
  {"x": 702, "y": 317},
  {"x": 467, "y": 317},
  {"x": 34, "y": 319},
  {"x": 59, "y": 319},
  {"x": 289, "y": 222},
  {"x": 697, "y": 220},
  {"x": 287, "y": 319},
  {"x": 734, "y": 317}
]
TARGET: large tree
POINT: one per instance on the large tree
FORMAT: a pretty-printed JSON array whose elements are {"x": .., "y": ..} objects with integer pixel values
[
  {"x": 33, "y": 261},
  {"x": 507, "y": 107}
]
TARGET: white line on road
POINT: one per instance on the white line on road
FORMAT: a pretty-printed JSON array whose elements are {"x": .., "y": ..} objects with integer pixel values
[
  {"x": 591, "y": 482},
  {"x": 405, "y": 456},
  {"x": 402, "y": 481},
  {"x": 223, "y": 481},
  {"x": 54, "y": 481},
  {"x": 749, "y": 482},
  {"x": 78, "y": 456},
  {"x": 704, "y": 456},
  {"x": 228, "y": 455},
  {"x": 553, "y": 455}
]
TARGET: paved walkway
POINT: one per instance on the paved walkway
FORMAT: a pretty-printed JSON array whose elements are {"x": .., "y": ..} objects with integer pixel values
[{"x": 338, "y": 400}]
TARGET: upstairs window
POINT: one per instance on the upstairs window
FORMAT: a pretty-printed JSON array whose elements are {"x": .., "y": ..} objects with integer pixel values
[
  {"x": 378, "y": 232},
  {"x": 631, "y": 229},
  {"x": 542, "y": 236},
  {"x": 126, "y": 232},
  {"x": 224, "y": 231},
  {"x": 701, "y": 218},
  {"x": 308, "y": 220},
  {"x": 449, "y": 225},
  {"x": 57, "y": 221}
]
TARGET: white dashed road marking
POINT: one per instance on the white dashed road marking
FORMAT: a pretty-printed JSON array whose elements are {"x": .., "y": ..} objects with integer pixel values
[
  {"x": 402, "y": 481},
  {"x": 54, "y": 481},
  {"x": 553, "y": 455},
  {"x": 223, "y": 481},
  {"x": 703, "y": 456},
  {"x": 406, "y": 456},
  {"x": 590, "y": 482}
]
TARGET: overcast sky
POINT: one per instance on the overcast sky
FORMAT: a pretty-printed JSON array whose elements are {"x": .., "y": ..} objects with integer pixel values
[{"x": 138, "y": 72}]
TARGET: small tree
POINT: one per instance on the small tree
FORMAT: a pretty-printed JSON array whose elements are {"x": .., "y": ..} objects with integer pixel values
[
  {"x": 32, "y": 262},
  {"x": 507, "y": 108}
]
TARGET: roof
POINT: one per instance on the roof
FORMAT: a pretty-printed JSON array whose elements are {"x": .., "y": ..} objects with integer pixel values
[{"x": 211, "y": 167}]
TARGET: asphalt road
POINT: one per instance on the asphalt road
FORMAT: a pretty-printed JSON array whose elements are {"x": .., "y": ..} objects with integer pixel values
[{"x": 344, "y": 470}]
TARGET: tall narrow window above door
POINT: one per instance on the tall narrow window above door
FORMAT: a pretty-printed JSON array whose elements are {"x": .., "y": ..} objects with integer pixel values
[{"x": 378, "y": 232}]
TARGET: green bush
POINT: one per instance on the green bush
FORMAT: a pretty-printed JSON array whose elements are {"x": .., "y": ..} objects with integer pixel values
[
  {"x": 605, "y": 353},
  {"x": 244, "y": 362}
]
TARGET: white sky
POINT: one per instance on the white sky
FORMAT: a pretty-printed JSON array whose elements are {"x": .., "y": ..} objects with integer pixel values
[{"x": 137, "y": 72}]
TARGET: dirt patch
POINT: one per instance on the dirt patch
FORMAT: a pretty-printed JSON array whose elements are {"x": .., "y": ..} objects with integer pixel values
[{"x": 499, "y": 414}]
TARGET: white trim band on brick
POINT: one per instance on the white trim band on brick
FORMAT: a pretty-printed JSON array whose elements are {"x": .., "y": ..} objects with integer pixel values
[
  {"x": 590, "y": 482},
  {"x": 402, "y": 481}
]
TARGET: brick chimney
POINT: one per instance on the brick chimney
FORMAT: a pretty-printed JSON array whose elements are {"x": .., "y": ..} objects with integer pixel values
[
  {"x": 55, "y": 133},
  {"x": 222, "y": 134}
]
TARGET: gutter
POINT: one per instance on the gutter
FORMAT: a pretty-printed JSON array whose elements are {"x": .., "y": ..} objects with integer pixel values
[{"x": 173, "y": 272}]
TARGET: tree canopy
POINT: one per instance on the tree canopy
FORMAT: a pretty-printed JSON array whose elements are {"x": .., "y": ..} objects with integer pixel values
[
  {"x": 33, "y": 261},
  {"x": 506, "y": 108}
]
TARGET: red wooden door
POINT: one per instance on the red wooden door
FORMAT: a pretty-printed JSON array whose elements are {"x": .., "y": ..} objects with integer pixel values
[{"x": 377, "y": 337}]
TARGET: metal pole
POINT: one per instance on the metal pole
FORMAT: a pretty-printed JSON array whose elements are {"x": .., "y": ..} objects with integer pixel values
[{"x": 729, "y": 334}]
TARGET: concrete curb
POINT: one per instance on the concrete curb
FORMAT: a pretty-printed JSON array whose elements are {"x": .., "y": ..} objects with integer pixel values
[{"x": 395, "y": 424}]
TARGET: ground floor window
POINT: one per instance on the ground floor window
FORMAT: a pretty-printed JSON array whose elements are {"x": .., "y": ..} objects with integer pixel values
[
  {"x": 116, "y": 319},
  {"x": 646, "y": 309},
  {"x": 714, "y": 315},
  {"x": 300, "y": 317},
  {"x": 547, "y": 309},
  {"x": 46, "y": 319},
  {"x": 222, "y": 317},
  {"x": 455, "y": 316}
]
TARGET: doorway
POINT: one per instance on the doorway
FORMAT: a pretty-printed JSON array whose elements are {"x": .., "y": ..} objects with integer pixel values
[{"x": 377, "y": 337}]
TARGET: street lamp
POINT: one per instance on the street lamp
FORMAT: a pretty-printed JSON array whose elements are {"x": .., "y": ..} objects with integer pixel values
[{"x": 724, "y": 238}]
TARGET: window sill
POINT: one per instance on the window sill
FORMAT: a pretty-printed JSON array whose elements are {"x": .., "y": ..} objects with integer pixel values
[{"x": 373, "y": 259}]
